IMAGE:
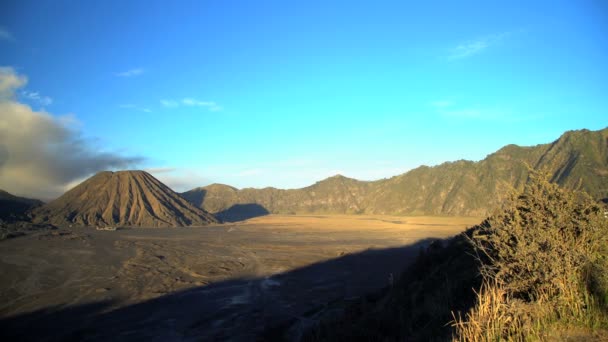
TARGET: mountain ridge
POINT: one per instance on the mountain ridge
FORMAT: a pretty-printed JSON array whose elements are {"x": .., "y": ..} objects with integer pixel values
[{"x": 578, "y": 160}]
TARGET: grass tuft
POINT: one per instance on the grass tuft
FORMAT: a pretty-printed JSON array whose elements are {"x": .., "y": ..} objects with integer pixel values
[{"x": 543, "y": 260}]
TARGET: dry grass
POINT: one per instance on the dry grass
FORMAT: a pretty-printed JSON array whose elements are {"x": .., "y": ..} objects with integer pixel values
[
  {"x": 498, "y": 316},
  {"x": 490, "y": 319},
  {"x": 544, "y": 265}
]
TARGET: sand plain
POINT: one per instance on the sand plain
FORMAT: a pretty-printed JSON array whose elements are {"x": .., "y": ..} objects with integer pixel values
[{"x": 218, "y": 282}]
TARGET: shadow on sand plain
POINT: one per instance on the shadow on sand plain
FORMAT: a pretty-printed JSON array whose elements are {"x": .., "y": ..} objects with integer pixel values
[
  {"x": 241, "y": 212},
  {"x": 235, "y": 213},
  {"x": 240, "y": 309}
]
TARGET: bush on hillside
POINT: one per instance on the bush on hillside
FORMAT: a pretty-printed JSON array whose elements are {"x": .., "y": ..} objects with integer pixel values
[
  {"x": 532, "y": 271},
  {"x": 543, "y": 259}
]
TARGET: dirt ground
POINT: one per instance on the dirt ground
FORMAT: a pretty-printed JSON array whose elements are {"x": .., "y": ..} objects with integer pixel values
[{"x": 219, "y": 282}]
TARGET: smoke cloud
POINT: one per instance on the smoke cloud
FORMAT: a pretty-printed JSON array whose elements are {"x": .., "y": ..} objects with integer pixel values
[{"x": 41, "y": 154}]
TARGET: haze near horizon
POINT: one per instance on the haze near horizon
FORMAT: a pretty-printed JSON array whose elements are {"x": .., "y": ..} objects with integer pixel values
[{"x": 283, "y": 95}]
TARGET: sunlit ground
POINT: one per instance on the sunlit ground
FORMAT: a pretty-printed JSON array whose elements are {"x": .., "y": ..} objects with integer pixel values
[{"x": 273, "y": 266}]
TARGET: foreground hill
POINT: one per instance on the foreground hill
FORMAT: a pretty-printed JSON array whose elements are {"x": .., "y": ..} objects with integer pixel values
[
  {"x": 12, "y": 206},
  {"x": 124, "y": 198},
  {"x": 577, "y": 160},
  {"x": 536, "y": 270}
]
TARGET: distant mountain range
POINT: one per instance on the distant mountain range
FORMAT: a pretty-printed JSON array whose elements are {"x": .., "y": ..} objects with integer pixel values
[
  {"x": 577, "y": 160},
  {"x": 124, "y": 198}
]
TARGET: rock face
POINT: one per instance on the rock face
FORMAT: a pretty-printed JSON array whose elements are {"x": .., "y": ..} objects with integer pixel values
[
  {"x": 13, "y": 207},
  {"x": 577, "y": 160},
  {"x": 124, "y": 198}
]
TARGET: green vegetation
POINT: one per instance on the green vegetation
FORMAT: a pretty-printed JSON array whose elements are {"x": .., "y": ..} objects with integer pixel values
[
  {"x": 535, "y": 270},
  {"x": 543, "y": 261}
]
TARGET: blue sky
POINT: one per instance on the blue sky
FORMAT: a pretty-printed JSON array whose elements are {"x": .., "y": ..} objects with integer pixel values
[{"x": 285, "y": 93}]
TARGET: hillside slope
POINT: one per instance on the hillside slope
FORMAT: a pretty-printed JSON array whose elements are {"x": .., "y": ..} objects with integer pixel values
[
  {"x": 337, "y": 194},
  {"x": 577, "y": 160},
  {"x": 536, "y": 270},
  {"x": 12, "y": 206},
  {"x": 124, "y": 198}
]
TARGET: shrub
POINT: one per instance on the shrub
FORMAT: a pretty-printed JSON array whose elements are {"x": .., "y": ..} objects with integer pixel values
[{"x": 543, "y": 259}]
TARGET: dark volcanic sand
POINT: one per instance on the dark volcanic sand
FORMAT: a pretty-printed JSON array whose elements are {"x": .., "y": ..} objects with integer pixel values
[{"x": 220, "y": 282}]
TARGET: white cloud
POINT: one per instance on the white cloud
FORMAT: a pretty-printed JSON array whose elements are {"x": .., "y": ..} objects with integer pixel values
[
  {"x": 191, "y": 102},
  {"x": 135, "y": 107},
  {"x": 41, "y": 154},
  {"x": 6, "y": 35},
  {"x": 179, "y": 179},
  {"x": 10, "y": 82},
  {"x": 474, "y": 47},
  {"x": 212, "y": 106},
  {"x": 169, "y": 103},
  {"x": 157, "y": 170},
  {"x": 450, "y": 109},
  {"x": 130, "y": 72},
  {"x": 36, "y": 97}
]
